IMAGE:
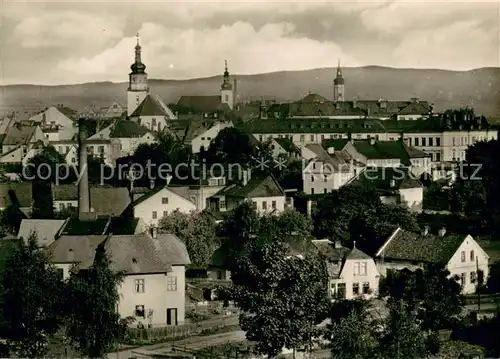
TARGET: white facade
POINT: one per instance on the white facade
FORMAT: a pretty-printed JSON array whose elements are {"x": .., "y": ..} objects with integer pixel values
[
  {"x": 161, "y": 296},
  {"x": 165, "y": 201},
  {"x": 318, "y": 177},
  {"x": 269, "y": 204},
  {"x": 359, "y": 278},
  {"x": 204, "y": 139}
]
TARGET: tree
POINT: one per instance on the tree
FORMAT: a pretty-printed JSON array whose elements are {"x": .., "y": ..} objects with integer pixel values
[
  {"x": 43, "y": 202},
  {"x": 197, "y": 230},
  {"x": 44, "y": 165},
  {"x": 32, "y": 294},
  {"x": 93, "y": 323},
  {"x": 350, "y": 333},
  {"x": 402, "y": 336},
  {"x": 282, "y": 298},
  {"x": 434, "y": 296},
  {"x": 494, "y": 278},
  {"x": 222, "y": 148},
  {"x": 356, "y": 213},
  {"x": 10, "y": 220}
]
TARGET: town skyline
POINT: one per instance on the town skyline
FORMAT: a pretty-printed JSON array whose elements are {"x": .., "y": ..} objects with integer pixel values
[{"x": 199, "y": 36}]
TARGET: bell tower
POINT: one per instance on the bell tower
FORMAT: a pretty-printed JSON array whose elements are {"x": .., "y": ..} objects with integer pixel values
[
  {"x": 226, "y": 89},
  {"x": 138, "y": 82},
  {"x": 338, "y": 86}
]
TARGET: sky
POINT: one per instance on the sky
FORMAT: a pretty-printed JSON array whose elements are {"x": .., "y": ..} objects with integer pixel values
[{"x": 68, "y": 41}]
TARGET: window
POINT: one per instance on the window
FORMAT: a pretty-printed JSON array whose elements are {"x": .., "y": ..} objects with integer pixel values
[
  {"x": 264, "y": 205},
  {"x": 314, "y": 165},
  {"x": 423, "y": 141},
  {"x": 438, "y": 157},
  {"x": 355, "y": 288},
  {"x": 473, "y": 277},
  {"x": 326, "y": 178},
  {"x": 60, "y": 272},
  {"x": 139, "y": 285},
  {"x": 219, "y": 275},
  {"x": 139, "y": 311},
  {"x": 357, "y": 266},
  {"x": 431, "y": 141},
  {"x": 416, "y": 141},
  {"x": 222, "y": 204},
  {"x": 312, "y": 138},
  {"x": 341, "y": 291},
  {"x": 273, "y": 204},
  {"x": 462, "y": 279},
  {"x": 165, "y": 213},
  {"x": 171, "y": 284},
  {"x": 366, "y": 287},
  {"x": 312, "y": 178},
  {"x": 312, "y": 190},
  {"x": 438, "y": 141},
  {"x": 453, "y": 141},
  {"x": 101, "y": 149},
  {"x": 363, "y": 268},
  {"x": 325, "y": 190},
  {"x": 463, "y": 256},
  {"x": 226, "y": 98},
  {"x": 322, "y": 138},
  {"x": 155, "y": 215},
  {"x": 302, "y": 138},
  {"x": 164, "y": 200},
  {"x": 472, "y": 258}
]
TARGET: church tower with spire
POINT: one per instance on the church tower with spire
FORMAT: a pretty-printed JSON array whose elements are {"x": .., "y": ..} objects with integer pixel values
[
  {"x": 338, "y": 86},
  {"x": 138, "y": 82},
  {"x": 226, "y": 89}
]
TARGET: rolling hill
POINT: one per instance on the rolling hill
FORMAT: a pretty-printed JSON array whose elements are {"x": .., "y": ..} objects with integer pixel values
[{"x": 479, "y": 88}]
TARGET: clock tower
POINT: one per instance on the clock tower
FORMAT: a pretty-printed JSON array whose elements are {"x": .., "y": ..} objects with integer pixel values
[
  {"x": 338, "y": 86},
  {"x": 226, "y": 89},
  {"x": 138, "y": 82}
]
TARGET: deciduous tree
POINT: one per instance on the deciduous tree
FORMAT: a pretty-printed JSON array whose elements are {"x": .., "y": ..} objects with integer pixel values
[
  {"x": 197, "y": 230},
  {"x": 92, "y": 323},
  {"x": 30, "y": 305}
]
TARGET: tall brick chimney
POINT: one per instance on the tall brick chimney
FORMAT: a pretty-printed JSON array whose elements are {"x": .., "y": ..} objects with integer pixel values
[{"x": 83, "y": 185}]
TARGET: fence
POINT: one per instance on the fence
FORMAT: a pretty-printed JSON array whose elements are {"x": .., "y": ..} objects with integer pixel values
[
  {"x": 484, "y": 298},
  {"x": 170, "y": 333}
]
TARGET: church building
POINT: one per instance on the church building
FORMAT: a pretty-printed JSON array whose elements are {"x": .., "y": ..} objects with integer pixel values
[{"x": 142, "y": 107}]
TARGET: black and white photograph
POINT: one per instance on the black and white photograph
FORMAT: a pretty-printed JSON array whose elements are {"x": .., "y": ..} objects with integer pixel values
[{"x": 257, "y": 179}]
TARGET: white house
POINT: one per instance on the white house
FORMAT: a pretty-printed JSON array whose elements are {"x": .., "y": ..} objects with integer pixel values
[
  {"x": 153, "y": 290},
  {"x": 461, "y": 255},
  {"x": 159, "y": 202},
  {"x": 351, "y": 272},
  {"x": 324, "y": 172},
  {"x": 58, "y": 123},
  {"x": 264, "y": 191},
  {"x": 203, "y": 139},
  {"x": 20, "y": 136}
]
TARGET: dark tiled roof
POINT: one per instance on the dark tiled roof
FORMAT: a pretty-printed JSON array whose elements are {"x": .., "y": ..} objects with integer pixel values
[
  {"x": 430, "y": 248},
  {"x": 149, "y": 107},
  {"x": 68, "y": 112},
  {"x": 19, "y": 135},
  {"x": 127, "y": 129},
  {"x": 181, "y": 191},
  {"x": 339, "y": 160},
  {"x": 355, "y": 253},
  {"x": 186, "y": 130},
  {"x": 287, "y": 144},
  {"x": 317, "y": 125},
  {"x": 141, "y": 253},
  {"x": 415, "y": 108},
  {"x": 45, "y": 229},
  {"x": 74, "y": 249},
  {"x": 319, "y": 109},
  {"x": 256, "y": 187},
  {"x": 388, "y": 150},
  {"x": 101, "y": 226},
  {"x": 384, "y": 108},
  {"x": 203, "y": 104},
  {"x": 312, "y": 98},
  {"x": 380, "y": 178},
  {"x": 337, "y": 144}
]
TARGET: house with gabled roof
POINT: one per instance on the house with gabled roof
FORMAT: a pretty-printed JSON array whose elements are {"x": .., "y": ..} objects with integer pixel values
[
  {"x": 395, "y": 185},
  {"x": 461, "y": 255},
  {"x": 351, "y": 272},
  {"x": 153, "y": 289},
  {"x": 161, "y": 201},
  {"x": 58, "y": 123},
  {"x": 415, "y": 110},
  {"x": 325, "y": 171},
  {"x": 284, "y": 147},
  {"x": 19, "y": 136},
  {"x": 124, "y": 136},
  {"x": 263, "y": 190},
  {"x": 153, "y": 114}
]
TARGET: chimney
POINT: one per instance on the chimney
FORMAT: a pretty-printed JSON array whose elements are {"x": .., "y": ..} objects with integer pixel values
[
  {"x": 154, "y": 232},
  {"x": 331, "y": 150},
  {"x": 392, "y": 183},
  {"x": 83, "y": 185},
  {"x": 168, "y": 179},
  {"x": 425, "y": 231},
  {"x": 337, "y": 244},
  {"x": 442, "y": 232},
  {"x": 151, "y": 183},
  {"x": 372, "y": 141}
]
